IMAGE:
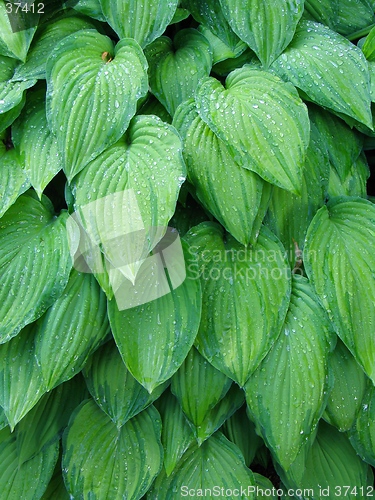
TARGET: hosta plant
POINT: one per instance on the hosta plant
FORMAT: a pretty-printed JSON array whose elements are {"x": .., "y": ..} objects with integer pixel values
[{"x": 187, "y": 235}]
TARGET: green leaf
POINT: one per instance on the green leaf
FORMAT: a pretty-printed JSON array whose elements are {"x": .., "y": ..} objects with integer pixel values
[
  {"x": 43, "y": 425},
  {"x": 246, "y": 293},
  {"x": 354, "y": 16},
  {"x": 289, "y": 215},
  {"x": 21, "y": 380},
  {"x": 34, "y": 262},
  {"x": 209, "y": 13},
  {"x": 103, "y": 461},
  {"x": 11, "y": 92},
  {"x": 240, "y": 205},
  {"x": 368, "y": 47},
  {"x": 71, "y": 330},
  {"x": 330, "y": 465},
  {"x": 323, "y": 11},
  {"x": 362, "y": 434},
  {"x": 140, "y": 176},
  {"x": 113, "y": 388},
  {"x": 249, "y": 18},
  {"x": 199, "y": 387},
  {"x": 225, "y": 408},
  {"x": 339, "y": 262},
  {"x": 93, "y": 88},
  {"x": 140, "y": 19},
  {"x": 91, "y": 8},
  {"x": 56, "y": 488},
  {"x": 221, "y": 51},
  {"x": 217, "y": 465},
  {"x": 13, "y": 180},
  {"x": 45, "y": 40},
  {"x": 284, "y": 415},
  {"x": 329, "y": 69},
  {"x": 26, "y": 480},
  {"x": 355, "y": 183},
  {"x": 241, "y": 431},
  {"x": 262, "y": 120},
  {"x": 162, "y": 332},
  {"x": 176, "y": 67},
  {"x": 349, "y": 387},
  {"x": 8, "y": 117},
  {"x": 14, "y": 43},
  {"x": 177, "y": 434},
  {"x": 35, "y": 143}
]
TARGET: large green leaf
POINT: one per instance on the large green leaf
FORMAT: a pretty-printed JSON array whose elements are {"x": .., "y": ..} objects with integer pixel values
[
  {"x": 34, "y": 141},
  {"x": 93, "y": 88},
  {"x": 362, "y": 434},
  {"x": 289, "y": 215},
  {"x": 209, "y": 13},
  {"x": 216, "y": 466},
  {"x": 239, "y": 205},
  {"x": 132, "y": 187},
  {"x": 45, "y": 40},
  {"x": 21, "y": 380},
  {"x": 330, "y": 468},
  {"x": 13, "y": 180},
  {"x": 177, "y": 434},
  {"x": 35, "y": 262},
  {"x": 262, "y": 120},
  {"x": 246, "y": 293},
  {"x": 267, "y": 28},
  {"x": 162, "y": 332},
  {"x": 11, "y": 92},
  {"x": 198, "y": 386},
  {"x": 176, "y": 67},
  {"x": 71, "y": 329},
  {"x": 24, "y": 479},
  {"x": 329, "y": 69},
  {"x": 286, "y": 408},
  {"x": 103, "y": 461},
  {"x": 340, "y": 264},
  {"x": 114, "y": 389},
  {"x": 14, "y": 43},
  {"x": 144, "y": 20},
  {"x": 43, "y": 425},
  {"x": 349, "y": 387},
  {"x": 354, "y": 16}
]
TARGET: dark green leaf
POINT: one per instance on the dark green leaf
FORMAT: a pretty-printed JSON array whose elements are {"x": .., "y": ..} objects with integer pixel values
[{"x": 362, "y": 435}]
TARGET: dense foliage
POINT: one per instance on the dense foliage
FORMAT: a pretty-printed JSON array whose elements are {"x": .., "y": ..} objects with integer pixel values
[{"x": 234, "y": 355}]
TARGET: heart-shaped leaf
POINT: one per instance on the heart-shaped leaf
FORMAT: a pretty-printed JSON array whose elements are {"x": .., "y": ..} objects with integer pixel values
[
  {"x": 114, "y": 389},
  {"x": 102, "y": 460},
  {"x": 240, "y": 205},
  {"x": 35, "y": 262},
  {"x": 15, "y": 36},
  {"x": 262, "y": 120},
  {"x": 349, "y": 387},
  {"x": 92, "y": 92},
  {"x": 143, "y": 20},
  {"x": 321, "y": 63},
  {"x": 175, "y": 67},
  {"x": 296, "y": 366},
  {"x": 177, "y": 434},
  {"x": 71, "y": 329},
  {"x": 216, "y": 465},
  {"x": 154, "y": 354},
  {"x": 125, "y": 198},
  {"x": 340, "y": 263},
  {"x": 199, "y": 387},
  {"x": 246, "y": 293},
  {"x": 34, "y": 141},
  {"x": 21, "y": 380},
  {"x": 13, "y": 180},
  {"x": 266, "y": 28}
]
